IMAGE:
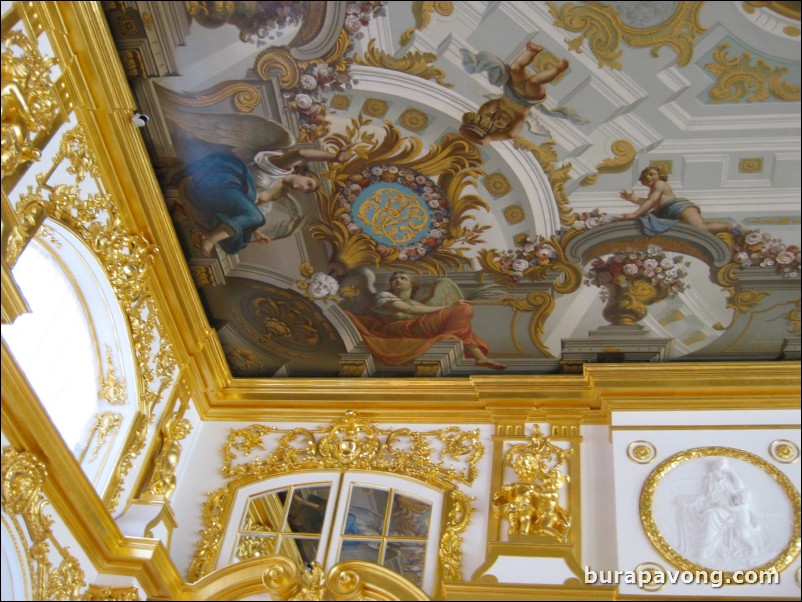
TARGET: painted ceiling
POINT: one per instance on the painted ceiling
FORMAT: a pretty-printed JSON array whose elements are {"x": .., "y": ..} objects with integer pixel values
[{"x": 527, "y": 227}]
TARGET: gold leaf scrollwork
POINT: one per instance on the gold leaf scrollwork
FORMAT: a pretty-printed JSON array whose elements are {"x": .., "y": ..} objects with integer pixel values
[
  {"x": 422, "y": 11},
  {"x": 793, "y": 318},
  {"x": 162, "y": 480},
  {"x": 23, "y": 476},
  {"x": 245, "y": 96},
  {"x": 105, "y": 425},
  {"x": 287, "y": 581},
  {"x": 105, "y": 593},
  {"x": 281, "y": 320},
  {"x": 29, "y": 100},
  {"x": 31, "y": 212},
  {"x": 531, "y": 505},
  {"x": 413, "y": 62},
  {"x": 624, "y": 155},
  {"x": 75, "y": 148},
  {"x": 394, "y": 215},
  {"x": 603, "y": 28},
  {"x": 739, "y": 79},
  {"x": 112, "y": 389},
  {"x": 440, "y": 457}
]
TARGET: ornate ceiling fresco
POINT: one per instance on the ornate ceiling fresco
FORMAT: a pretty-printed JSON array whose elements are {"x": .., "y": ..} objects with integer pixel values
[{"x": 499, "y": 211}]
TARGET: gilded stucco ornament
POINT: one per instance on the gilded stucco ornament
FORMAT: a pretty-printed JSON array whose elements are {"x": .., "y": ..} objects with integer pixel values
[
  {"x": 112, "y": 388},
  {"x": 126, "y": 257},
  {"x": 531, "y": 505},
  {"x": 442, "y": 458},
  {"x": 739, "y": 79},
  {"x": 107, "y": 593},
  {"x": 413, "y": 62},
  {"x": 605, "y": 29},
  {"x": 23, "y": 476},
  {"x": 105, "y": 426},
  {"x": 29, "y": 100},
  {"x": 162, "y": 480}
]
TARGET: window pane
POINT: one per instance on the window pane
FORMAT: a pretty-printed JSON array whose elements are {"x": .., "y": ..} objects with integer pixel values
[
  {"x": 366, "y": 511},
  {"x": 299, "y": 549},
  {"x": 266, "y": 512},
  {"x": 254, "y": 546},
  {"x": 409, "y": 517},
  {"x": 359, "y": 550},
  {"x": 308, "y": 509},
  {"x": 406, "y": 559}
]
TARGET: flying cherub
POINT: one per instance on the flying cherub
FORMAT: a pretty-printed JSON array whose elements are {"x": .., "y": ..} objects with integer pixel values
[
  {"x": 403, "y": 322},
  {"x": 502, "y": 118},
  {"x": 248, "y": 177}
]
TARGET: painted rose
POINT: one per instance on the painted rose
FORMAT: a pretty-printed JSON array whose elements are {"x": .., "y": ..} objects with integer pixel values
[
  {"x": 308, "y": 82},
  {"x": 649, "y": 264},
  {"x": 630, "y": 269},
  {"x": 303, "y": 101},
  {"x": 753, "y": 238},
  {"x": 519, "y": 265}
]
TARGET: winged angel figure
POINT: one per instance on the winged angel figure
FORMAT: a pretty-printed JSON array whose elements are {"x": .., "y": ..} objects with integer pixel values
[
  {"x": 244, "y": 193},
  {"x": 402, "y": 322}
]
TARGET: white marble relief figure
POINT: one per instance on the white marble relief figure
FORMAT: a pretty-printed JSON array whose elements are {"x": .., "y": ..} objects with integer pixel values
[{"x": 718, "y": 525}]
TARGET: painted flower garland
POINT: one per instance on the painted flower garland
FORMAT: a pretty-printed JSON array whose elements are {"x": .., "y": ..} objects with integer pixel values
[{"x": 752, "y": 249}]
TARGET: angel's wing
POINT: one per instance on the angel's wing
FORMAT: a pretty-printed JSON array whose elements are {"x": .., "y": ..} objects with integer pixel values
[
  {"x": 442, "y": 292},
  {"x": 359, "y": 289},
  {"x": 244, "y": 134}
]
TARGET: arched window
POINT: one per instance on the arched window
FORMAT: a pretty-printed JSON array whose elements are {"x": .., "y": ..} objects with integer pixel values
[
  {"x": 381, "y": 518},
  {"x": 74, "y": 348}
]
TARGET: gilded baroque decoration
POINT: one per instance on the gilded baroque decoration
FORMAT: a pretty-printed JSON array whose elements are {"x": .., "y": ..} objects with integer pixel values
[
  {"x": 604, "y": 29},
  {"x": 442, "y": 458},
  {"x": 414, "y": 120},
  {"x": 641, "y": 452},
  {"x": 738, "y": 503},
  {"x": 23, "y": 476},
  {"x": 538, "y": 303},
  {"x": 106, "y": 425},
  {"x": 349, "y": 580},
  {"x": 454, "y": 162},
  {"x": 107, "y": 593},
  {"x": 162, "y": 480},
  {"x": 531, "y": 505},
  {"x": 112, "y": 389},
  {"x": 241, "y": 359},
  {"x": 413, "y": 62},
  {"x": 739, "y": 79},
  {"x": 126, "y": 258},
  {"x": 422, "y": 11},
  {"x": 784, "y": 451},
  {"x": 624, "y": 155},
  {"x": 30, "y": 103},
  {"x": 340, "y": 102}
]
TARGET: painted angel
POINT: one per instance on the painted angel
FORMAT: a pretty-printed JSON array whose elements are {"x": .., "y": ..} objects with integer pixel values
[
  {"x": 403, "y": 322},
  {"x": 243, "y": 194}
]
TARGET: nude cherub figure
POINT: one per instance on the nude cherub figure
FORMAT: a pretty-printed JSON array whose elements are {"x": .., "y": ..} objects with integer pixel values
[
  {"x": 502, "y": 118},
  {"x": 661, "y": 209}
]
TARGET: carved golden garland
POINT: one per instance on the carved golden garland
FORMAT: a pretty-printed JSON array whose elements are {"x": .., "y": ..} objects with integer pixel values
[
  {"x": 603, "y": 28},
  {"x": 739, "y": 79},
  {"x": 23, "y": 476},
  {"x": 105, "y": 593},
  {"x": 126, "y": 258},
  {"x": 348, "y": 443},
  {"x": 454, "y": 161},
  {"x": 624, "y": 155},
  {"x": 422, "y": 11},
  {"x": 413, "y": 62},
  {"x": 29, "y": 99}
]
